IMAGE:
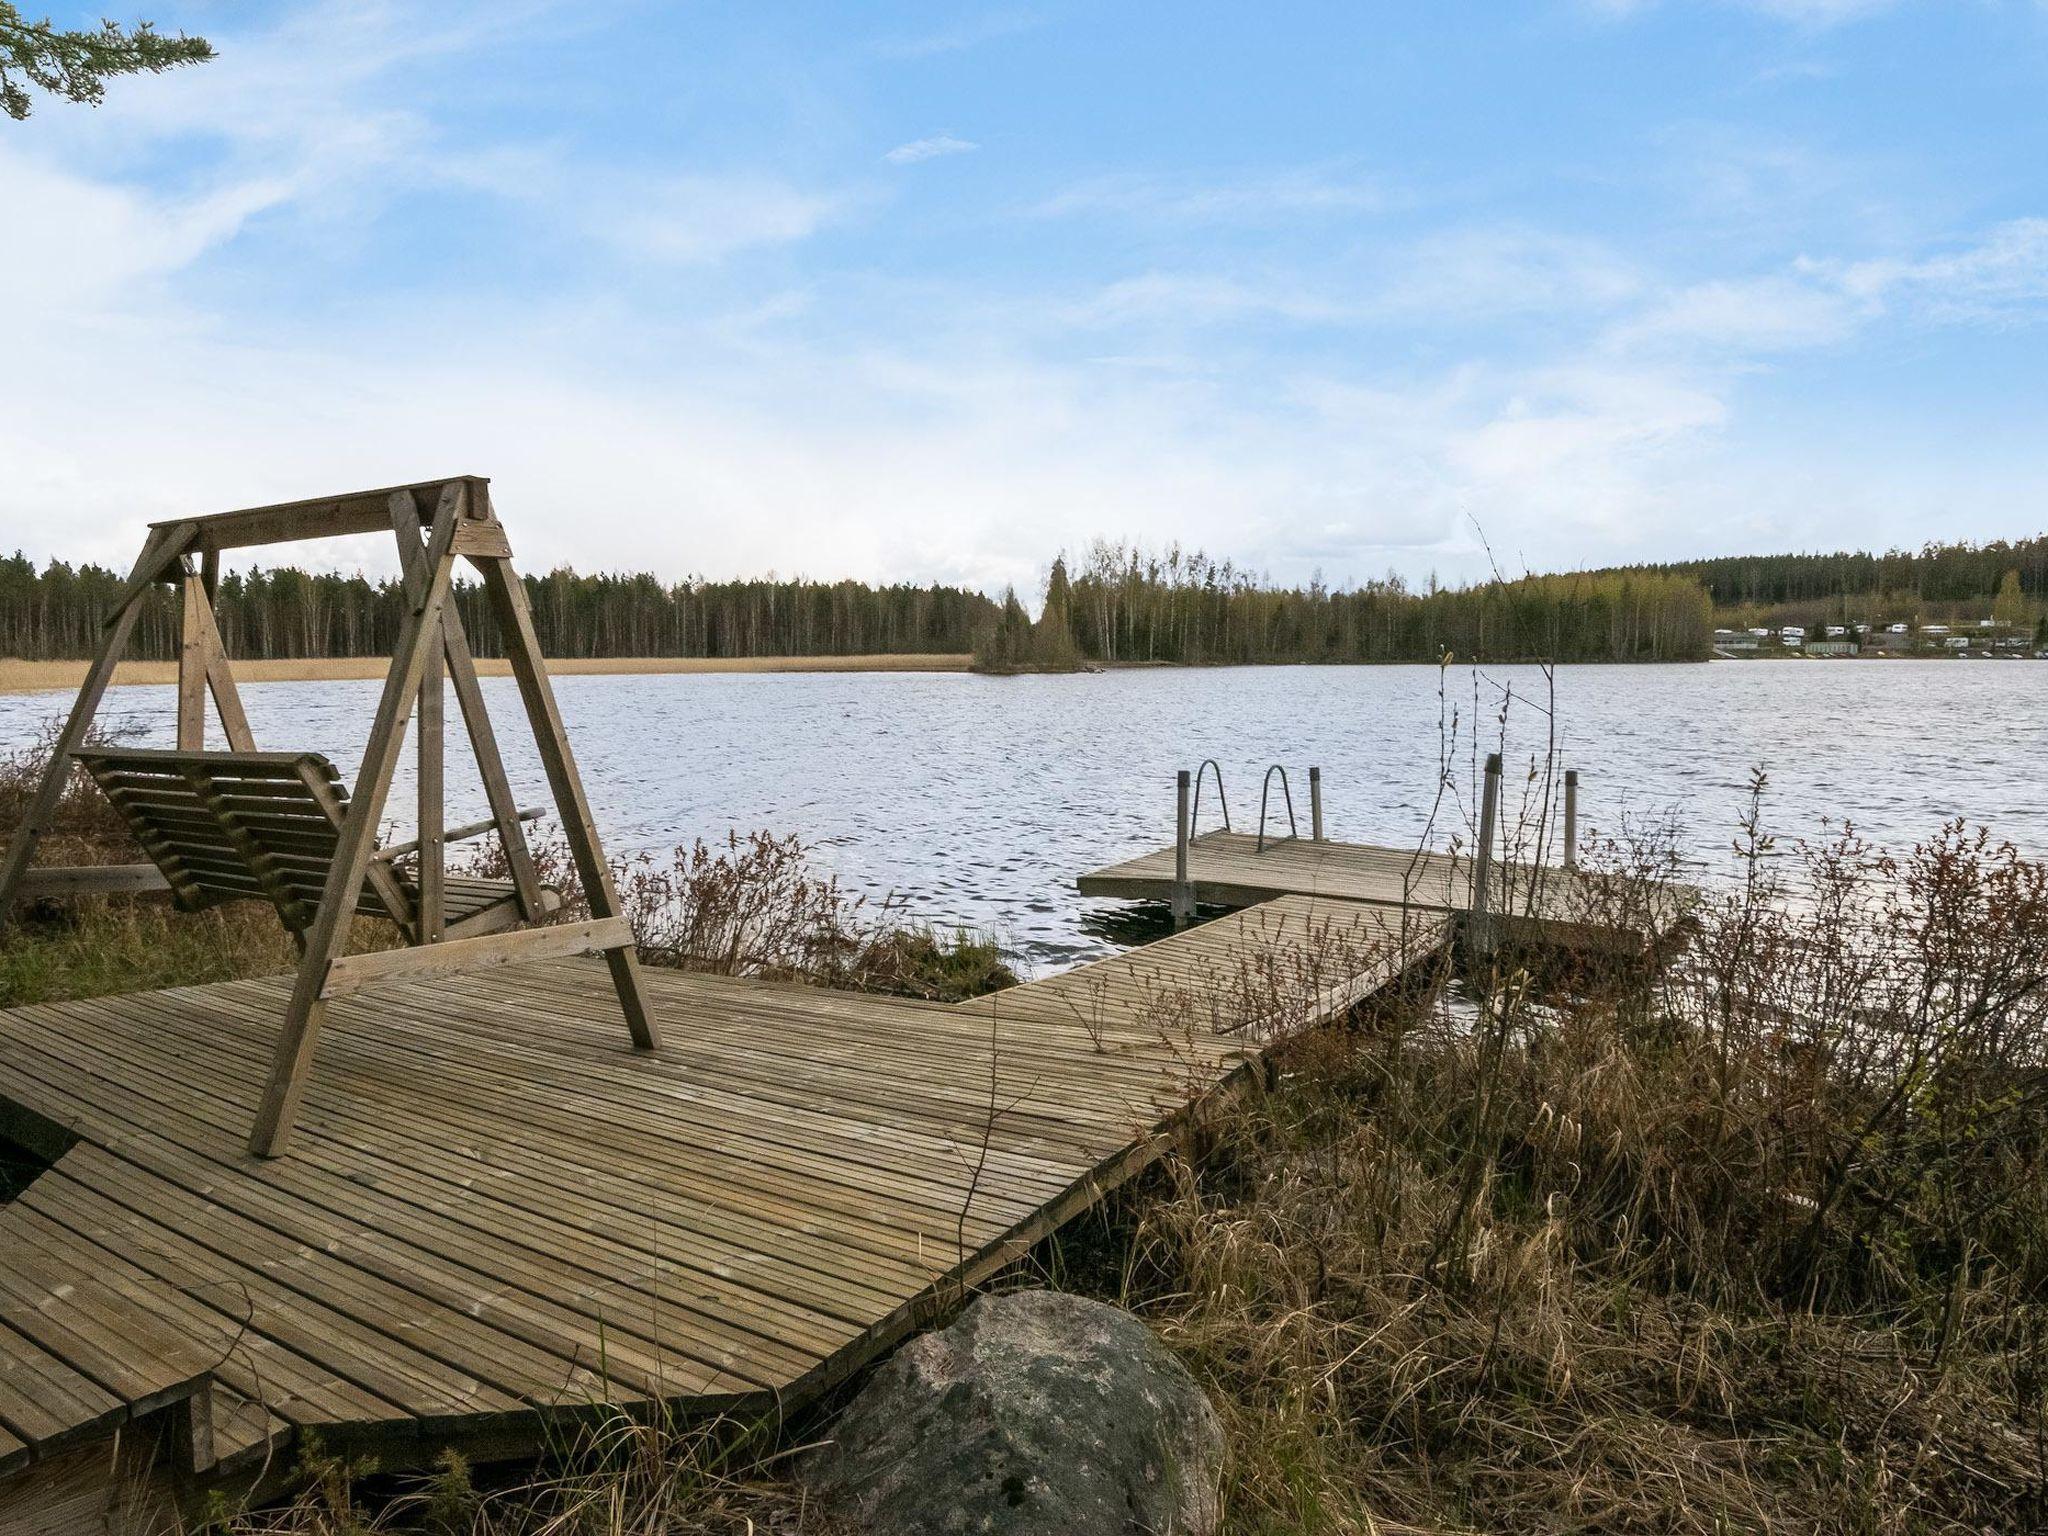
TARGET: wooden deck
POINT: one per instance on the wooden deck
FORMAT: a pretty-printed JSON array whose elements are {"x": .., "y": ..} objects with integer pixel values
[
  {"x": 1228, "y": 869},
  {"x": 496, "y": 1215}
]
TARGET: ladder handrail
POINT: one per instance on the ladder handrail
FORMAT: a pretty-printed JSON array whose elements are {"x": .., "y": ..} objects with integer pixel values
[
  {"x": 1266, "y": 788},
  {"x": 1195, "y": 815}
]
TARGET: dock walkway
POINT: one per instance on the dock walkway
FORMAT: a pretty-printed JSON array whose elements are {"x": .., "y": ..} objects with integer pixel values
[
  {"x": 496, "y": 1216},
  {"x": 1230, "y": 869}
]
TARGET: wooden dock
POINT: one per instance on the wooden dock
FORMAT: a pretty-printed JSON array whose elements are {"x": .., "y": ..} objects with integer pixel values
[
  {"x": 1552, "y": 903},
  {"x": 496, "y": 1216}
]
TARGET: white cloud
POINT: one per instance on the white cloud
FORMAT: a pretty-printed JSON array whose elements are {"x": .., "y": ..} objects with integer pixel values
[
  {"x": 1460, "y": 276},
  {"x": 1556, "y": 464},
  {"x": 2003, "y": 276},
  {"x": 970, "y": 33},
  {"x": 1282, "y": 195},
  {"x": 1188, "y": 299},
  {"x": 73, "y": 240},
  {"x": 1747, "y": 317},
  {"x": 929, "y": 149},
  {"x": 1803, "y": 13},
  {"x": 703, "y": 218},
  {"x": 1472, "y": 273}
]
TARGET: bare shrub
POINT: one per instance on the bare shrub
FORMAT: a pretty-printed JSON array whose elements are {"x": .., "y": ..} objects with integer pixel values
[
  {"x": 757, "y": 906},
  {"x": 613, "y": 1474},
  {"x": 85, "y": 828}
]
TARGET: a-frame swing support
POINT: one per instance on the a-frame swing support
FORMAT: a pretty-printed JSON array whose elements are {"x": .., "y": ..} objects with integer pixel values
[{"x": 436, "y": 523}]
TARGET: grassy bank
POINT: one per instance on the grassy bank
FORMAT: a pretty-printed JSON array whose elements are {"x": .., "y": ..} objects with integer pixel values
[{"x": 751, "y": 906}]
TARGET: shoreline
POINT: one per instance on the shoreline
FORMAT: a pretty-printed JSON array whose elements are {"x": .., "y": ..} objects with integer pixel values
[
  {"x": 17, "y": 676},
  {"x": 20, "y": 677}
]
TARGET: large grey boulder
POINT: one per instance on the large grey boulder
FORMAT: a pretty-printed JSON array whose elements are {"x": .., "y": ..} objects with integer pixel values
[{"x": 1035, "y": 1414}]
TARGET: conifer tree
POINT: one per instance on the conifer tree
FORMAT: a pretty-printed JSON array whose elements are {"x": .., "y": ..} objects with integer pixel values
[{"x": 76, "y": 65}]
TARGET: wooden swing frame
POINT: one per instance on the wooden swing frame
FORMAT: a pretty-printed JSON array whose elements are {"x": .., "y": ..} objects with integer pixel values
[{"x": 436, "y": 522}]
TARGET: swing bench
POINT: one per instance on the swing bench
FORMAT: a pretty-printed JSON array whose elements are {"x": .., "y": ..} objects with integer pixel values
[
  {"x": 237, "y": 826},
  {"x": 244, "y": 824}
]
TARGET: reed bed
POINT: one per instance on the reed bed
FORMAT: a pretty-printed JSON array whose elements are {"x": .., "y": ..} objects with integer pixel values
[{"x": 1754, "y": 1241}]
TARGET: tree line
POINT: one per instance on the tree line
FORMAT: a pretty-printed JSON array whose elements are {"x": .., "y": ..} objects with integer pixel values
[
  {"x": 1126, "y": 604},
  {"x": 1934, "y": 573},
  {"x": 56, "y": 612},
  {"x": 1120, "y": 603}
]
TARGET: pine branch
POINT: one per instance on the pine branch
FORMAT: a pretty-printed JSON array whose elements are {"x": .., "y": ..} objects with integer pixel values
[{"x": 76, "y": 65}]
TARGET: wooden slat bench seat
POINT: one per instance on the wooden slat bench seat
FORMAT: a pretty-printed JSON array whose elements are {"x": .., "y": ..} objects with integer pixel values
[{"x": 234, "y": 826}]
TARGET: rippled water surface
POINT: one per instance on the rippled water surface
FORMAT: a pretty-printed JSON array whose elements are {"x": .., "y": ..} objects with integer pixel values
[{"x": 977, "y": 800}]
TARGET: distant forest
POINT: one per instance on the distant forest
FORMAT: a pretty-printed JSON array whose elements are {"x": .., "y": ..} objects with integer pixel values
[
  {"x": 1939, "y": 580},
  {"x": 1118, "y": 604},
  {"x": 55, "y": 613},
  {"x": 1127, "y": 605}
]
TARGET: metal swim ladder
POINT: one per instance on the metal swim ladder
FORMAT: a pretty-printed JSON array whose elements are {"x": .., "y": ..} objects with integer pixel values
[
  {"x": 1189, "y": 809},
  {"x": 1265, "y": 789},
  {"x": 1195, "y": 815}
]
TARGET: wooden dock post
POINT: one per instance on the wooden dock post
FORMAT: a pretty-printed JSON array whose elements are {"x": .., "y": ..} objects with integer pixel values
[
  {"x": 1482, "y": 925},
  {"x": 1315, "y": 804},
  {"x": 1571, "y": 818},
  {"x": 1183, "y": 891}
]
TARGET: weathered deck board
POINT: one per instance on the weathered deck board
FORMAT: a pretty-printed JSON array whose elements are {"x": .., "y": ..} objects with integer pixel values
[
  {"x": 1283, "y": 961},
  {"x": 494, "y": 1211},
  {"x": 1228, "y": 869}
]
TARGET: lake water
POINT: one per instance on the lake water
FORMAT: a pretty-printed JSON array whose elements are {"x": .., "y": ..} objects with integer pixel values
[{"x": 977, "y": 800}]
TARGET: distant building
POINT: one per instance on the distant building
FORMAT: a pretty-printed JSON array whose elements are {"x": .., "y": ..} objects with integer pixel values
[
  {"x": 1734, "y": 640},
  {"x": 1934, "y": 630},
  {"x": 1898, "y": 629},
  {"x": 1832, "y": 648},
  {"x": 1957, "y": 642},
  {"x": 1835, "y": 631},
  {"x": 1792, "y": 634}
]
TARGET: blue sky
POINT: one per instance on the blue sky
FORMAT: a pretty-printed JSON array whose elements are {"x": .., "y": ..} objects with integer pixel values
[{"x": 932, "y": 291}]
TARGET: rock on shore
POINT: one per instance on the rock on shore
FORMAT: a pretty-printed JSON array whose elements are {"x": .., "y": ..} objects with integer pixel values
[{"x": 1035, "y": 1414}]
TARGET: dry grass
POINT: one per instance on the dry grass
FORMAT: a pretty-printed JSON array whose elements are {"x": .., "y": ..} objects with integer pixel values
[
  {"x": 93, "y": 946},
  {"x": 18, "y": 676},
  {"x": 758, "y": 906},
  {"x": 1754, "y": 1245},
  {"x": 621, "y": 1477}
]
